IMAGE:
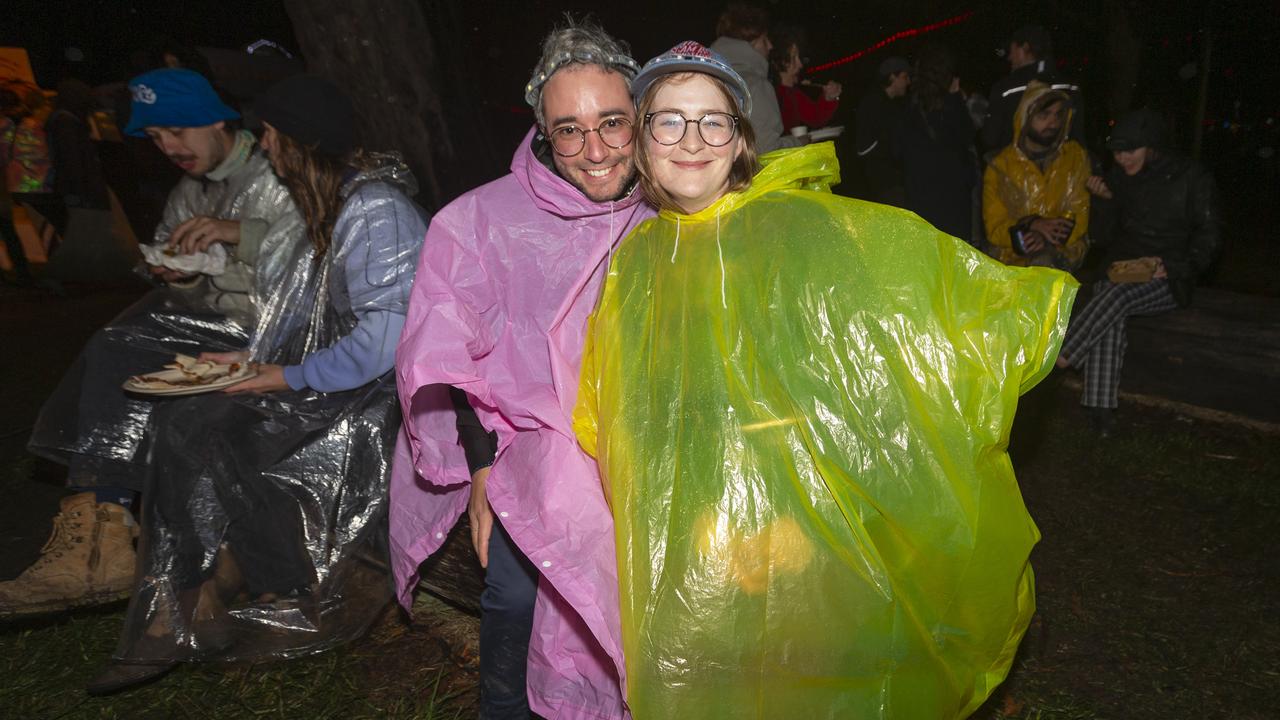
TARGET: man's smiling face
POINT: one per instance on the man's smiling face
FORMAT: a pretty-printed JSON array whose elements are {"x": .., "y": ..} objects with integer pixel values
[{"x": 585, "y": 96}]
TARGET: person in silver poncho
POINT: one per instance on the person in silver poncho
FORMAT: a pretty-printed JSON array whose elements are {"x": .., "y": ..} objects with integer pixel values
[
  {"x": 266, "y": 503},
  {"x": 229, "y": 198}
]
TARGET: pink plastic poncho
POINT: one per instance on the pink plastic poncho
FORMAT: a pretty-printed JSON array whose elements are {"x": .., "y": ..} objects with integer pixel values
[{"x": 508, "y": 276}]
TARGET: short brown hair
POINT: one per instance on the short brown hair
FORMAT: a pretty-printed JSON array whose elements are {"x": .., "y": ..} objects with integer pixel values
[
  {"x": 744, "y": 167},
  {"x": 743, "y": 22}
]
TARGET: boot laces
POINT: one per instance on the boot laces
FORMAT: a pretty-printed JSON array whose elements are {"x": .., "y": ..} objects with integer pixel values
[{"x": 61, "y": 540}]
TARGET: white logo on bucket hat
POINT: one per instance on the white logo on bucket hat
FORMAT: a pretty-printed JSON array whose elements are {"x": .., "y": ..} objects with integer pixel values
[{"x": 143, "y": 94}]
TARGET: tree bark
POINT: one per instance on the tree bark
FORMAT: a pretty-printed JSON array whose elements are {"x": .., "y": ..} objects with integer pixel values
[
  {"x": 381, "y": 52},
  {"x": 1125, "y": 50},
  {"x": 1205, "y": 68},
  {"x": 384, "y": 55}
]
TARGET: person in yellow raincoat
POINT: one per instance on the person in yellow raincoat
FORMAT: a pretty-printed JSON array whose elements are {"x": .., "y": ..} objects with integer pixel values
[
  {"x": 1035, "y": 205},
  {"x": 800, "y": 405}
]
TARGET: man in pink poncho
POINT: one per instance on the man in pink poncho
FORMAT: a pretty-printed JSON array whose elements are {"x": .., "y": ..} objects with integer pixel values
[{"x": 508, "y": 276}]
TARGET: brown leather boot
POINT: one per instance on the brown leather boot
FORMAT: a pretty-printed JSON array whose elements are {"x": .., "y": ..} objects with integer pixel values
[{"x": 88, "y": 560}]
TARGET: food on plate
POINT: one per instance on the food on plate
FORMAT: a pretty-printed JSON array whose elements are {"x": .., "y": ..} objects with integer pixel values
[{"x": 186, "y": 371}]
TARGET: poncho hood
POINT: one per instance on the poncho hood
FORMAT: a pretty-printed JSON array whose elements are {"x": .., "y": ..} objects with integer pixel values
[
  {"x": 1037, "y": 96},
  {"x": 387, "y": 167},
  {"x": 812, "y": 167},
  {"x": 552, "y": 193}
]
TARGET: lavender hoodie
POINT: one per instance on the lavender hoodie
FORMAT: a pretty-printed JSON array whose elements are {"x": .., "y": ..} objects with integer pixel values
[{"x": 508, "y": 276}]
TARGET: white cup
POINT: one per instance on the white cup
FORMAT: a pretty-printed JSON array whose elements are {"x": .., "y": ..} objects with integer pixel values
[{"x": 800, "y": 130}]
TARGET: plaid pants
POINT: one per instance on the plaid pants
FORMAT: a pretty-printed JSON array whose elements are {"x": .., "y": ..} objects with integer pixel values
[{"x": 1096, "y": 340}]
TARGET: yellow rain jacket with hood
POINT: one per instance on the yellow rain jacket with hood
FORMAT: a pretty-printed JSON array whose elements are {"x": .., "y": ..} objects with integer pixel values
[
  {"x": 1015, "y": 188},
  {"x": 801, "y": 405}
]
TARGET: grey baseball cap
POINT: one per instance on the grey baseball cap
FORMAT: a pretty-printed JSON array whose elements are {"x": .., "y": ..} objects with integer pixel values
[{"x": 692, "y": 56}]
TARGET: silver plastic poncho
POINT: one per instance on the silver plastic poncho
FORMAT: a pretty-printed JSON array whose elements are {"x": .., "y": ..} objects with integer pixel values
[
  {"x": 250, "y": 192},
  {"x": 89, "y": 423},
  {"x": 273, "y": 506}
]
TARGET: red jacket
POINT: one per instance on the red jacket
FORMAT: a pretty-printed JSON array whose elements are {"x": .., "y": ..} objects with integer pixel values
[{"x": 798, "y": 109}]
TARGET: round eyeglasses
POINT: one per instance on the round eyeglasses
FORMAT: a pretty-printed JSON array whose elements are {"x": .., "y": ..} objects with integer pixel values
[
  {"x": 569, "y": 140},
  {"x": 668, "y": 127}
]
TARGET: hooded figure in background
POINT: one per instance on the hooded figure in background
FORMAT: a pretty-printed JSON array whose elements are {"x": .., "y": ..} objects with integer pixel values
[{"x": 1034, "y": 202}]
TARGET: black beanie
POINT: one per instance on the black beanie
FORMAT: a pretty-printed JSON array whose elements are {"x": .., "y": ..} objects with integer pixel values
[
  {"x": 312, "y": 111},
  {"x": 1138, "y": 128}
]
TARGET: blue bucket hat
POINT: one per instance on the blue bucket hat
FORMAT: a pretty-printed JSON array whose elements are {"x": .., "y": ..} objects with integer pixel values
[
  {"x": 174, "y": 97},
  {"x": 691, "y": 56}
]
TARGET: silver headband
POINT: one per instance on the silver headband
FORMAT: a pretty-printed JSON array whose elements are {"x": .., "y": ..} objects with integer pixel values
[{"x": 622, "y": 63}]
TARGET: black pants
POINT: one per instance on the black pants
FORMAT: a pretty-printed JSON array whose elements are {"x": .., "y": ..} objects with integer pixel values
[
  {"x": 212, "y": 487},
  {"x": 506, "y": 622}
]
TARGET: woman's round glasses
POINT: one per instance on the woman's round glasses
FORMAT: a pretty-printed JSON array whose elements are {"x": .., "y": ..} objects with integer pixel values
[
  {"x": 568, "y": 140},
  {"x": 668, "y": 127}
]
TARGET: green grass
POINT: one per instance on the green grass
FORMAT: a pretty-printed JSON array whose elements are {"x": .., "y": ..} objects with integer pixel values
[{"x": 43, "y": 670}]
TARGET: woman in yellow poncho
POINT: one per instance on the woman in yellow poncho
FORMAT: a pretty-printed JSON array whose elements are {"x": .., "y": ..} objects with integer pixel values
[{"x": 800, "y": 405}]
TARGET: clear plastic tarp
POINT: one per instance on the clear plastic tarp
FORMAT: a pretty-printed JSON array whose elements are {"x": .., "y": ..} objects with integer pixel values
[{"x": 264, "y": 528}]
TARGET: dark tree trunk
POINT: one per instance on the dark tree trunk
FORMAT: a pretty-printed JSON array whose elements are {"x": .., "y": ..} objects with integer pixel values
[
  {"x": 384, "y": 55},
  {"x": 381, "y": 52},
  {"x": 1124, "y": 47}
]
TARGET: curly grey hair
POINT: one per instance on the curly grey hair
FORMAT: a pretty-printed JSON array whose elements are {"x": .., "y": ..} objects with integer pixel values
[{"x": 577, "y": 43}]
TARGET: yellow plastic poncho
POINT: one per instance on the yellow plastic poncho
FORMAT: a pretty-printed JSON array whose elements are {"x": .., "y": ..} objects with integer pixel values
[
  {"x": 1013, "y": 186},
  {"x": 801, "y": 404}
]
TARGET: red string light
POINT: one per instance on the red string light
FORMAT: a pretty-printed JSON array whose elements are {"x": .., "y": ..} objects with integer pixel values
[{"x": 892, "y": 39}]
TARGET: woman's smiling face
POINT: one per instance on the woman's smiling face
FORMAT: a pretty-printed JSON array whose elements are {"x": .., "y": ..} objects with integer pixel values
[{"x": 694, "y": 173}]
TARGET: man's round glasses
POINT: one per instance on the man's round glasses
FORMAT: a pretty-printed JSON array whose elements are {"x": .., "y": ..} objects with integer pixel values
[
  {"x": 568, "y": 140},
  {"x": 668, "y": 127}
]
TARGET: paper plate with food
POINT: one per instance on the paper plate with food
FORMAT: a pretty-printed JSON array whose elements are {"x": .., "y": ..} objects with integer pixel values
[
  {"x": 826, "y": 133},
  {"x": 190, "y": 376}
]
